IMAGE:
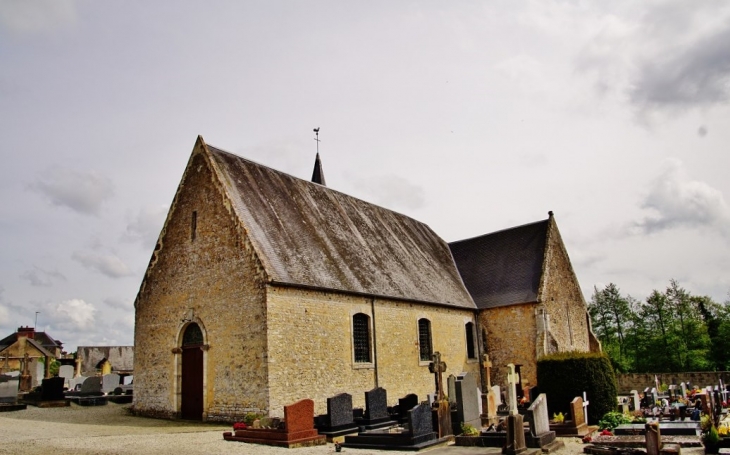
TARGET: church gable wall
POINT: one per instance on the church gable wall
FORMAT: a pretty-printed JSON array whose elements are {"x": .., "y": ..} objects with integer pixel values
[
  {"x": 204, "y": 270},
  {"x": 511, "y": 334},
  {"x": 563, "y": 299},
  {"x": 311, "y": 347}
]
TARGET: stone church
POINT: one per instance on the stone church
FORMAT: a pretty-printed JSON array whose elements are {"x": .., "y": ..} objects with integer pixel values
[{"x": 264, "y": 289}]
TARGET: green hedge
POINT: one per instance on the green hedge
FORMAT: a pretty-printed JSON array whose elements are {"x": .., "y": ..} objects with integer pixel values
[{"x": 567, "y": 375}]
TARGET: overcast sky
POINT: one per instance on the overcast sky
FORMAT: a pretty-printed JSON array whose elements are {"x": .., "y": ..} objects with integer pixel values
[{"x": 469, "y": 116}]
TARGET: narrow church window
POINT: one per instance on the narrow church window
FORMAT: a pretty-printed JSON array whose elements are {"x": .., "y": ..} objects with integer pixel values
[
  {"x": 193, "y": 335},
  {"x": 470, "y": 351},
  {"x": 485, "y": 346},
  {"x": 424, "y": 340},
  {"x": 193, "y": 225},
  {"x": 361, "y": 337}
]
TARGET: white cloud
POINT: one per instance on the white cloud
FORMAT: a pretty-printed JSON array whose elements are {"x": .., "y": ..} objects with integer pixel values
[
  {"x": 146, "y": 225},
  {"x": 30, "y": 16},
  {"x": 73, "y": 314},
  {"x": 676, "y": 201},
  {"x": 108, "y": 264},
  {"x": 83, "y": 192},
  {"x": 118, "y": 304}
]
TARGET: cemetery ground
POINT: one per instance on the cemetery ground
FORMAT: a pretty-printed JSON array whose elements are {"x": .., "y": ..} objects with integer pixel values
[{"x": 110, "y": 429}]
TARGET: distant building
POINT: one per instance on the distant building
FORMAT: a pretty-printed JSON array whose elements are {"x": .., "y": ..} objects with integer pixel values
[
  {"x": 105, "y": 359},
  {"x": 38, "y": 346}
]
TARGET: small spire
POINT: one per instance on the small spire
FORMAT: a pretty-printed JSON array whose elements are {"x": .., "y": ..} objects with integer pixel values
[
  {"x": 318, "y": 174},
  {"x": 550, "y": 214}
]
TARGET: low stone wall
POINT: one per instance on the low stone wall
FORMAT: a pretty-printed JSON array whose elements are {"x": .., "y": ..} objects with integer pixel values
[{"x": 640, "y": 381}]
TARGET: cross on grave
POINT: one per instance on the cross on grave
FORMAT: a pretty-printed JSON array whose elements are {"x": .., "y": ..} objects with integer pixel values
[
  {"x": 437, "y": 367},
  {"x": 487, "y": 364},
  {"x": 723, "y": 391},
  {"x": 585, "y": 407},
  {"x": 512, "y": 379}
]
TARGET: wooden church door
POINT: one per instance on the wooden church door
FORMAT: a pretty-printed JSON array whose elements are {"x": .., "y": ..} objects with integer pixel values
[{"x": 192, "y": 374}]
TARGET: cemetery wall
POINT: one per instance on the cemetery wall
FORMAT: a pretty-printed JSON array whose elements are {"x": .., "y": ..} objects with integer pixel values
[
  {"x": 203, "y": 269},
  {"x": 511, "y": 338},
  {"x": 121, "y": 358},
  {"x": 311, "y": 352},
  {"x": 562, "y": 297},
  {"x": 639, "y": 381}
]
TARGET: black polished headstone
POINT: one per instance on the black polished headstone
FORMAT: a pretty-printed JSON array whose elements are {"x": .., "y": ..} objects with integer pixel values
[
  {"x": 339, "y": 410},
  {"x": 420, "y": 420},
  {"x": 405, "y": 404},
  {"x": 52, "y": 389},
  {"x": 376, "y": 404}
]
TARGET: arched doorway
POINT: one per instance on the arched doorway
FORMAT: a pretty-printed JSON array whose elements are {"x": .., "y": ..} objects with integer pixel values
[{"x": 191, "y": 386}]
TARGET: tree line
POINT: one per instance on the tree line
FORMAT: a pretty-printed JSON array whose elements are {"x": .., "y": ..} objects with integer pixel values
[{"x": 670, "y": 331}]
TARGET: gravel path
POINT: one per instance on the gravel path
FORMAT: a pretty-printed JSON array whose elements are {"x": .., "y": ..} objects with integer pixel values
[{"x": 110, "y": 429}]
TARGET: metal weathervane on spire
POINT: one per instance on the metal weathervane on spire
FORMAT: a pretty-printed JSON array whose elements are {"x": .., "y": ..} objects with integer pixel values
[{"x": 316, "y": 131}]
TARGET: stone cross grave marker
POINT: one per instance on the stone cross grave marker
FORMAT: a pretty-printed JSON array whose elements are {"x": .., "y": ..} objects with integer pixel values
[
  {"x": 467, "y": 400},
  {"x": 487, "y": 365},
  {"x": 585, "y": 406},
  {"x": 512, "y": 379},
  {"x": 437, "y": 367}
]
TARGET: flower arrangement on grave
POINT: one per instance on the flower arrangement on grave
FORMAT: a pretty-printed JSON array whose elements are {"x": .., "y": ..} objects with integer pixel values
[
  {"x": 606, "y": 432},
  {"x": 558, "y": 418},
  {"x": 468, "y": 430},
  {"x": 611, "y": 420},
  {"x": 239, "y": 426}
]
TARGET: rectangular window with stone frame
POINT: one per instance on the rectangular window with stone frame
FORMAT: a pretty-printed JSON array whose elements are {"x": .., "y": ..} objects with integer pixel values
[
  {"x": 425, "y": 348},
  {"x": 361, "y": 337}
]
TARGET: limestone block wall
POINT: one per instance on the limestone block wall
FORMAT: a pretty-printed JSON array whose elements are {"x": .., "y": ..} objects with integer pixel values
[
  {"x": 562, "y": 297},
  {"x": 311, "y": 347},
  {"x": 205, "y": 270},
  {"x": 121, "y": 358},
  {"x": 511, "y": 333},
  {"x": 639, "y": 381}
]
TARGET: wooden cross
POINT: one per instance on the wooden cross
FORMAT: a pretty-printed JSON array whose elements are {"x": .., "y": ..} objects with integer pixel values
[
  {"x": 512, "y": 379},
  {"x": 487, "y": 364},
  {"x": 437, "y": 367}
]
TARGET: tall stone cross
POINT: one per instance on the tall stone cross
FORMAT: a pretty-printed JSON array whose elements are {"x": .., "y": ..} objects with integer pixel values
[
  {"x": 488, "y": 368},
  {"x": 512, "y": 379},
  {"x": 585, "y": 407},
  {"x": 723, "y": 391},
  {"x": 437, "y": 367}
]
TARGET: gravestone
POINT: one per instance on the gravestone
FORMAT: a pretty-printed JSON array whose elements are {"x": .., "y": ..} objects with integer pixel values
[
  {"x": 654, "y": 396},
  {"x": 298, "y": 429},
  {"x": 39, "y": 372},
  {"x": 67, "y": 373},
  {"x": 128, "y": 380},
  {"x": 467, "y": 401},
  {"x": 451, "y": 388},
  {"x": 417, "y": 434},
  {"x": 515, "y": 442},
  {"x": 479, "y": 402},
  {"x": 376, "y": 404},
  {"x": 76, "y": 383},
  {"x": 339, "y": 411},
  {"x": 512, "y": 379},
  {"x": 9, "y": 388},
  {"x": 683, "y": 387},
  {"x": 635, "y": 400},
  {"x": 539, "y": 420},
  {"x": 109, "y": 382},
  {"x": 497, "y": 395},
  {"x": 91, "y": 386},
  {"x": 405, "y": 404},
  {"x": 52, "y": 389}
]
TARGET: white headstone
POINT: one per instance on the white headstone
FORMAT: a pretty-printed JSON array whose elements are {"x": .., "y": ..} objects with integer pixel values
[
  {"x": 9, "y": 388},
  {"x": 497, "y": 395},
  {"x": 636, "y": 400},
  {"x": 40, "y": 373},
  {"x": 538, "y": 416},
  {"x": 67, "y": 373},
  {"x": 109, "y": 382},
  {"x": 128, "y": 380},
  {"x": 479, "y": 394},
  {"x": 77, "y": 381}
]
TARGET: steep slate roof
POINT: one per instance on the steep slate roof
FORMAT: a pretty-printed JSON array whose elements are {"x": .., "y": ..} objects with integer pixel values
[
  {"x": 504, "y": 267},
  {"x": 309, "y": 235}
]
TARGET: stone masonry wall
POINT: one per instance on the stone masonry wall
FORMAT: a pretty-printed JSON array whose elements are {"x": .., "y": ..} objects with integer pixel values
[
  {"x": 214, "y": 277},
  {"x": 511, "y": 333},
  {"x": 311, "y": 351},
  {"x": 562, "y": 297},
  {"x": 639, "y": 381}
]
